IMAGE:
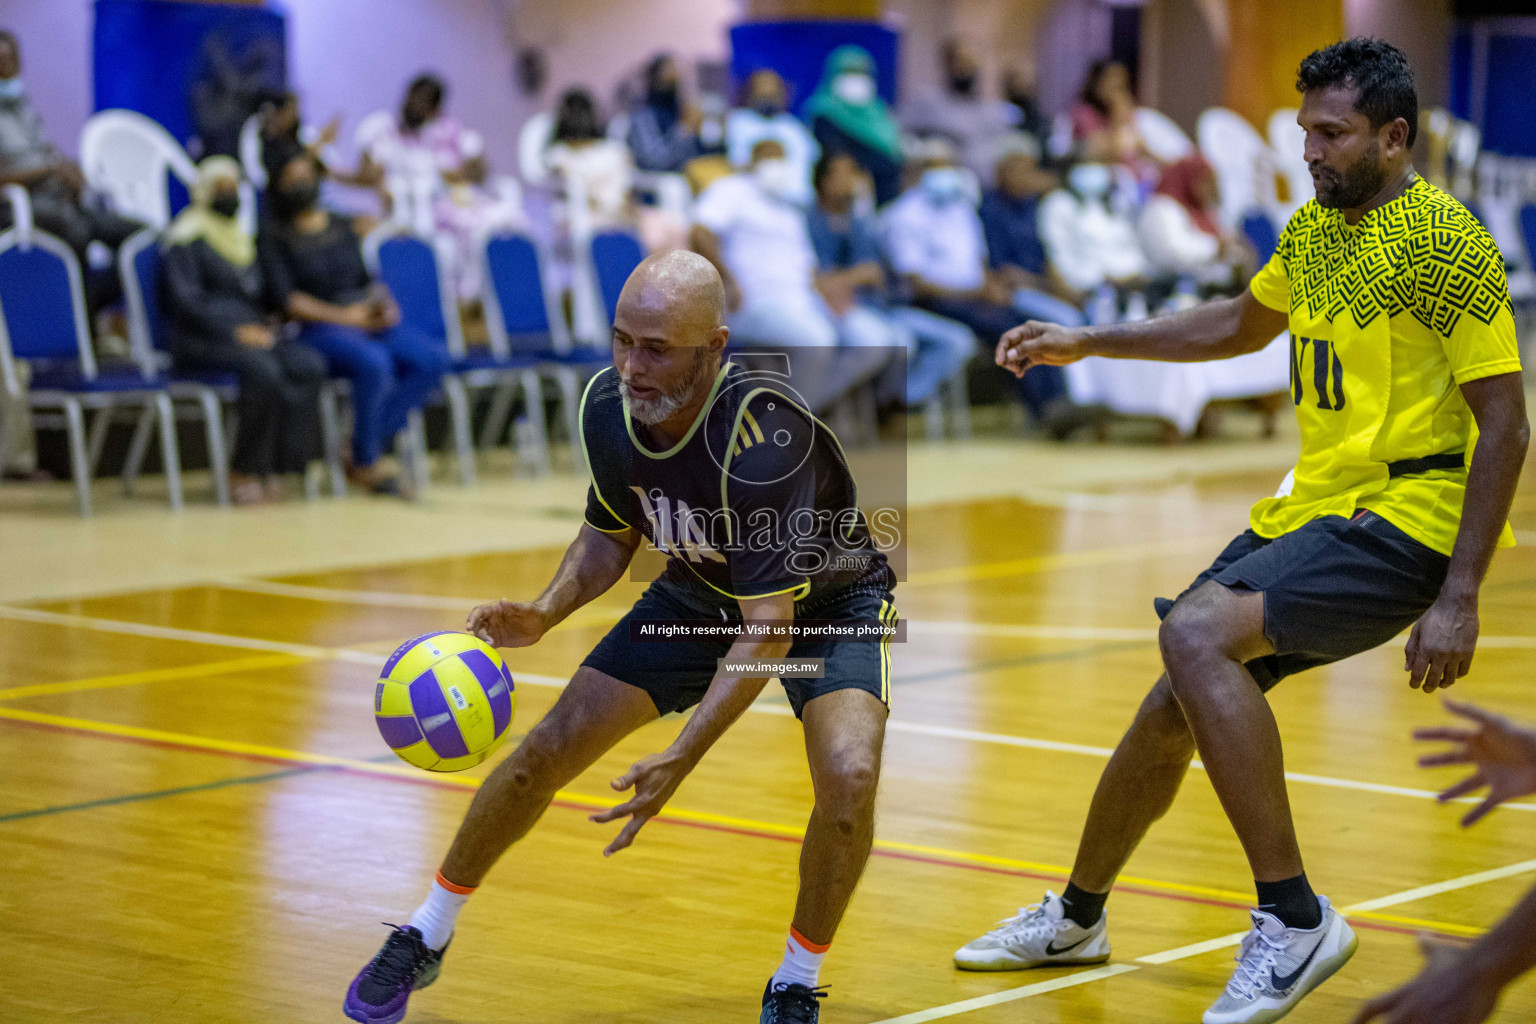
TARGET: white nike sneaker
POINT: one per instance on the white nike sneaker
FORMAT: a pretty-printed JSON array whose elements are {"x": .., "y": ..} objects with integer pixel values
[
  {"x": 1277, "y": 966},
  {"x": 1039, "y": 935}
]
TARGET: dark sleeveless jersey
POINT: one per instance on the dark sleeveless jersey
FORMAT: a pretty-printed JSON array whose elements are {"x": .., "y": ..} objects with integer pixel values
[{"x": 755, "y": 499}]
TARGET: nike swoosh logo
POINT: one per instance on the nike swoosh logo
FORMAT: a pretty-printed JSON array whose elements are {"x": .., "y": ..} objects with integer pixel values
[
  {"x": 1281, "y": 984},
  {"x": 1051, "y": 950}
]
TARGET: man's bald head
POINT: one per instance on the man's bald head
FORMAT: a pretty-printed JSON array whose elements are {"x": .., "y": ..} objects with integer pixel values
[{"x": 676, "y": 294}]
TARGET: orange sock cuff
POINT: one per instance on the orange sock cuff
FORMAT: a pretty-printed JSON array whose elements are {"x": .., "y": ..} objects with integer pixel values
[
  {"x": 804, "y": 943},
  {"x": 462, "y": 890}
]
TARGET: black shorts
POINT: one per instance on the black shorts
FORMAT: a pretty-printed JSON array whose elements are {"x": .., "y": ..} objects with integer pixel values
[
  {"x": 1332, "y": 588},
  {"x": 676, "y": 673}
]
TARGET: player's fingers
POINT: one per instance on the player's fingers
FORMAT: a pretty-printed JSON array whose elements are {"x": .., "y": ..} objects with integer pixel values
[
  {"x": 1411, "y": 649},
  {"x": 1470, "y": 784},
  {"x": 1449, "y": 733},
  {"x": 485, "y": 634},
  {"x": 1471, "y": 711},
  {"x": 1476, "y": 814},
  {"x": 1442, "y": 759},
  {"x": 1003, "y": 345},
  {"x": 1418, "y": 666},
  {"x": 626, "y": 835},
  {"x": 615, "y": 812},
  {"x": 1466, "y": 664},
  {"x": 1434, "y": 673},
  {"x": 1375, "y": 1008}
]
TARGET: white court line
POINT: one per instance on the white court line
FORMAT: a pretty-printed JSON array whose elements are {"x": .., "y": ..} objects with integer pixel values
[
  {"x": 1009, "y": 995},
  {"x": 335, "y": 595},
  {"x": 921, "y": 627},
  {"x": 1194, "y": 949},
  {"x": 189, "y": 635},
  {"x": 370, "y": 658}
]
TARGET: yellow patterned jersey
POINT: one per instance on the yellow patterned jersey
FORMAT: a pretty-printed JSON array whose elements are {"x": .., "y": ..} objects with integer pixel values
[{"x": 1387, "y": 317}]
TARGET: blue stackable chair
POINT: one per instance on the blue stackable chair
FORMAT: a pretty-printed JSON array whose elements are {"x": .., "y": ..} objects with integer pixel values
[
  {"x": 43, "y": 320},
  {"x": 418, "y": 272},
  {"x": 138, "y": 265},
  {"x": 615, "y": 255},
  {"x": 1260, "y": 231},
  {"x": 524, "y": 320}
]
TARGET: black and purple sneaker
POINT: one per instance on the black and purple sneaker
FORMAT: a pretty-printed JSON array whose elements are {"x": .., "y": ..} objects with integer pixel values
[
  {"x": 379, "y": 992},
  {"x": 791, "y": 1004}
]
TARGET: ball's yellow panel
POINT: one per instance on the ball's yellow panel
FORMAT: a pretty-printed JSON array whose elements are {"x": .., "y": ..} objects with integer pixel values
[
  {"x": 394, "y": 698},
  {"x": 458, "y": 764},
  {"x": 431, "y": 649},
  {"x": 421, "y": 755},
  {"x": 466, "y": 700}
]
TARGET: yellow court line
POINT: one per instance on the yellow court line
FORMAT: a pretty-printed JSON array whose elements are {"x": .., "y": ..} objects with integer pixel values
[
  {"x": 1047, "y": 563},
  {"x": 679, "y": 814},
  {"x": 154, "y": 675}
]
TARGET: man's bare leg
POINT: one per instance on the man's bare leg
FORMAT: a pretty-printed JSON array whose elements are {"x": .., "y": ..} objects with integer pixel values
[
  {"x": 1136, "y": 789},
  {"x": 1205, "y": 641},
  {"x": 593, "y": 713},
  {"x": 844, "y": 733}
]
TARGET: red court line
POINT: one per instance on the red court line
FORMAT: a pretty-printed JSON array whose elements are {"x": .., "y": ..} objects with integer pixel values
[{"x": 432, "y": 783}]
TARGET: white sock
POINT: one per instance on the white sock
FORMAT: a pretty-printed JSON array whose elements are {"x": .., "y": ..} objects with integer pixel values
[
  {"x": 802, "y": 962},
  {"x": 434, "y": 918}
]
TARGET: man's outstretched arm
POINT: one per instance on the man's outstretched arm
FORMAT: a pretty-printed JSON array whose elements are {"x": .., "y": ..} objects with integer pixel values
[
  {"x": 1216, "y": 330},
  {"x": 593, "y": 563}
]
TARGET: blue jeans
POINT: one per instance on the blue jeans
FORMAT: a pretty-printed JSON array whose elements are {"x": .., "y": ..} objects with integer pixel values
[
  {"x": 392, "y": 372},
  {"x": 937, "y": 349},
  {"x": 1033, "y": 305}
]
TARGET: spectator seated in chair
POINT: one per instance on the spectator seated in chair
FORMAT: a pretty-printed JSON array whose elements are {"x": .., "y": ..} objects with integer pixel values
[
  {"x": 212, "y": 290},
  {"x": 312, "y": 262}
]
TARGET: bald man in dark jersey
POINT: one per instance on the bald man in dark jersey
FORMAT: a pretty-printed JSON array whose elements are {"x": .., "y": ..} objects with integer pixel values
[{"x": 747, "y": 494}]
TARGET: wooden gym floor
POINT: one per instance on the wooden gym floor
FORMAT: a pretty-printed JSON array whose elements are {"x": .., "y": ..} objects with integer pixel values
[{"x": 198, "y": 821}]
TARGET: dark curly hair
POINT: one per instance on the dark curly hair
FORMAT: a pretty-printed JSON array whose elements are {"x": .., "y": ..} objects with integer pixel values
[{"x": 1374, "y": 67}]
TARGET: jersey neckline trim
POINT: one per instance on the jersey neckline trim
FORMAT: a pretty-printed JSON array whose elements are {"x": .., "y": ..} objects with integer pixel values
[{"x": 693, "y": 428}]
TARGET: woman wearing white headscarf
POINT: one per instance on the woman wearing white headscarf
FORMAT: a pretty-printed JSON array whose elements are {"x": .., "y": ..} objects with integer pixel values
[{"x": 212, "y": 292}]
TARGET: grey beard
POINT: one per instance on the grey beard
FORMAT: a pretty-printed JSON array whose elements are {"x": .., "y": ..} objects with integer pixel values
[
  {"x": 652, "y": 411},
  {"x": 655, "y": 410}
]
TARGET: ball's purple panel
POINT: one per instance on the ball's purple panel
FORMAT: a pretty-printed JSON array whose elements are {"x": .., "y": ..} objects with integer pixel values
[
  {"x": 437, "y": 721},
  {"x": 378, "y": 698},
  {"x": 506, "y": 674},
  {"x": 483, "y": 667},
  {"x": 501, "y": 707},
  {"x": 394, "y": 659},
  {"x": 398, "y": 730}
]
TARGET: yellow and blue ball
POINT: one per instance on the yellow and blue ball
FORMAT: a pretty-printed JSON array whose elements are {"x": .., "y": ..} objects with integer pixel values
[{"x": 444, "y": 701}]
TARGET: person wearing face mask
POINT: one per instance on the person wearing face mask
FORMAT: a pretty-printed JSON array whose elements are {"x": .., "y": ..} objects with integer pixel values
[
  {"x": 1104, "y": 122},
  {"x": 847, "y": 115},
  {"x": 752, "y": 227},
  {"x": 766, "y": 116},
  {"x": 435, "y": 168},
  {"x": 935, "y": 242},
  {"x": 663, "y": 130},
  {"x": 957, "y": 110},
  {"x": 1089, "y": 243},
  {"x": 61, "y": 202},
  {"x": 851, "y": 262},
  {"x": 312, "y": 263},
  {"x": 580, "y": 152},
  {"x": 212, "y": 290}
]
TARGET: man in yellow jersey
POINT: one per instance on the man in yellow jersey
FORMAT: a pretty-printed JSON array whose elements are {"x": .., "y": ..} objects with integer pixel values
[{"x": 1403, "y": 356}]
